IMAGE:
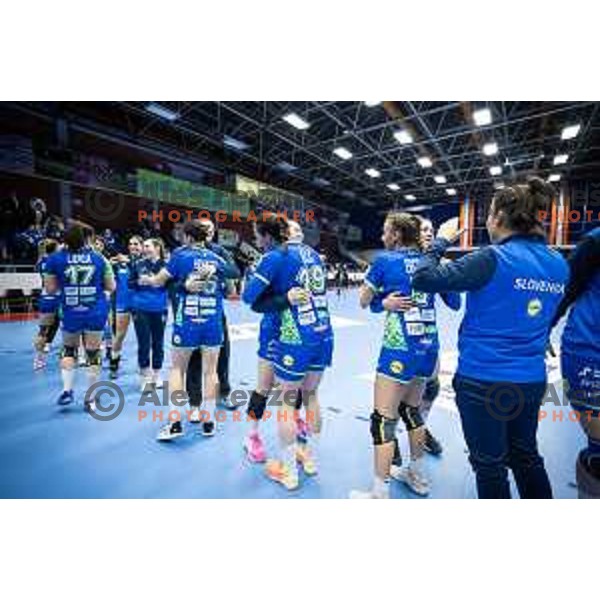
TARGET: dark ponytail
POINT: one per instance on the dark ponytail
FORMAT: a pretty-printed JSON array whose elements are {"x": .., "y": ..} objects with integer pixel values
[
  {"x": 275, "y": 226},
  {"x": 522, "y": 205}
]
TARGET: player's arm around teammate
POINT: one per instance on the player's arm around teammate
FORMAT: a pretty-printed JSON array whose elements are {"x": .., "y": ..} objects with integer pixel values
[
  {"x": 514, "y": 287},
  {"x": 399, "y": 381}
]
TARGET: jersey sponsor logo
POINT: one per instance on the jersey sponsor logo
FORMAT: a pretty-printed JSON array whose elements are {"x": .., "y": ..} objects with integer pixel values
[
  {"x": 414, "y": 329},
  {"x": 414, "y": 314},
  {"x": 538, "y": 285},
  {"x": 191, "y": 311},
  {"x": 288, "y": 360},
  {"x": 396, "y": 367},
  {"x": 307, "y": 318},
  {"x": 420, "y": 298},
  {"x": 534, "y": 308},
  {"x": 428, "y": 315}
]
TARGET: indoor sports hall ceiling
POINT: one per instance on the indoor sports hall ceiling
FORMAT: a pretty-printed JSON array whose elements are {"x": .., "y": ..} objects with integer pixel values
[{"x": 376, "y": 153}]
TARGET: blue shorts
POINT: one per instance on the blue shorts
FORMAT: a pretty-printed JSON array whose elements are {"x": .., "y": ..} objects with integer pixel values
[
  {"x": 293, "y": 361},
  {"x": 93, "y": 321},
  {"x": 122, "y": 303},
  {"x": 582, "y": 376},
  {"x": 403, "y": 366},
  {"x": 190, "y": 335},
  {"x": 266, "y": 345},
  {"x": 48, "y": 304}
]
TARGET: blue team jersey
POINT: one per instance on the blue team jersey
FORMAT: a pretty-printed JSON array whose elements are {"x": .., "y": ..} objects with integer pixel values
[
  {"x": 122, "y": 293},
  {"x": 206, "y": 305},
  {"x": 412, "y": 331},
  {"x": 582, "y": 331},
  {"x": 504, "y": 332},
  {"x": 286, "y": 267},
  {"x": 147, "y": 298},
  {"x": 81, "y": 277},
  {"x": 48, "y": 303}
]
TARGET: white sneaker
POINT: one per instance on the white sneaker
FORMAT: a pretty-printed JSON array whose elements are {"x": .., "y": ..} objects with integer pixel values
[
  {"x": 411, "y": 477},
  {"x": 169, "y": 432},
  {"x": 195, "y": 417},
  {"x": 147, "y": 385},
  {"x": 369, "y": 495},
  {"x": 157, "y": 380},
  {"x": 227, "y": 403}
]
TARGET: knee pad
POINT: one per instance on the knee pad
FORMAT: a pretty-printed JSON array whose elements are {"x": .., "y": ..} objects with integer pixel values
[
  {"x": 257, "y": 405},
  {"x": 588, "y": 482},
  {"x": 383, "y": 430},
  {"x": 411, "y": 417},
  {"x": 94, "y": 357},
  {"x": 69, "y": 352},
  {"x": 432, "y": 389}
]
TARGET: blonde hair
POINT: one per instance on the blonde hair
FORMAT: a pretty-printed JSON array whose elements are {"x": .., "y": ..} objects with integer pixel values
[{"x": 407, "y": 227}]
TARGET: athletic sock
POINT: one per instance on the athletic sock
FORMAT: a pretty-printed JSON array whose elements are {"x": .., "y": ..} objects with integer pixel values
[
  {"x": 381, "y": 487},
  {"x": 313, "y": 444},
  {"x": 289, "y": 456},
  {"x": 68, "y": 377},
  {"x": 416, "y": 464}
]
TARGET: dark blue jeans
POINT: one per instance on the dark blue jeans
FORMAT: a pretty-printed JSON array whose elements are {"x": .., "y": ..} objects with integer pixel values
[
  {"x": 150, "y": 332},
  {"x": 500, "y": 422}
]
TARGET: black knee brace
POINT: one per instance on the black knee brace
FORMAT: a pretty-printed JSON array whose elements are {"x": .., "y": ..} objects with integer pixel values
[
  {"x": 299, "y": 400},
  {"x": 383, "y": 430},
  {"x": 411, "y": 416},
  {"x": 432, "y": 389},
  {"x": 94, "y": 357},
  {"x": 69, "y": 352},
  {"x": 257, "y": 405}
]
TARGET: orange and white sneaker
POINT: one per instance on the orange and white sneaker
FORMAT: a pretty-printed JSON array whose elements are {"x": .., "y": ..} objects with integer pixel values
[
  {"x": 280, "y": 473},
  {"x": 306, "y": 459}
]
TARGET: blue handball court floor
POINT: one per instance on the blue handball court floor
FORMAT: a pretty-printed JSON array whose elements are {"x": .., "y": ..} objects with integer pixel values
[{"x": 49, "y": 453}]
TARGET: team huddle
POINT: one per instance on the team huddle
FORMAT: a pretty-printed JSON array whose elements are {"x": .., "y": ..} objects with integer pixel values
[{"x": 95, "y": 298}]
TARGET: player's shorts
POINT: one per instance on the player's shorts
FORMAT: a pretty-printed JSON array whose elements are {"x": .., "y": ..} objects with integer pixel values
[
  {"x": 403, "y": 366},
  {"x": 48, "y": 304},
  {"x": 293, "y": 361},
  {"x": 190, "y": 335},
  {"x": 582, "y": 376},
  {"x": 123, "y": 307},
  {"x": 78, "y": 322},
  {"x": 266, "y": 345},
  {"x": 122, "y": 303}
]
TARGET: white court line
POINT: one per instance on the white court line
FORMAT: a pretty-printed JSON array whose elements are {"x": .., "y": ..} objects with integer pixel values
[{"x": 249, "y": 331}]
